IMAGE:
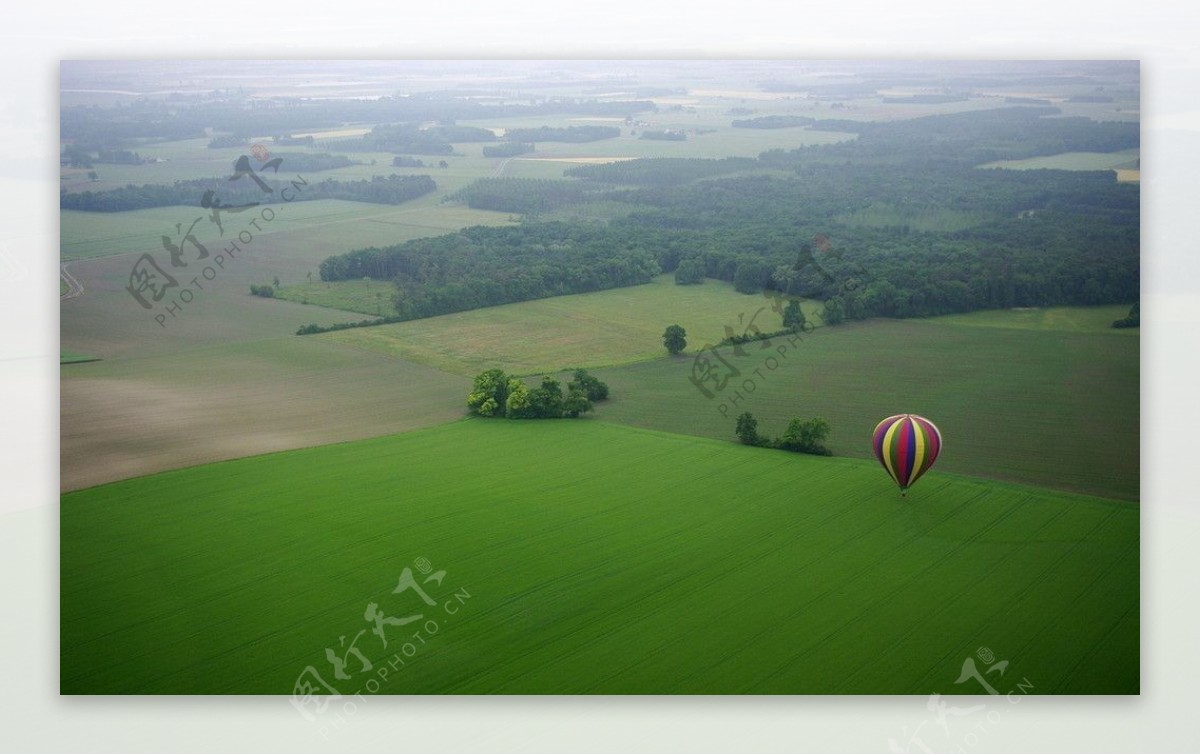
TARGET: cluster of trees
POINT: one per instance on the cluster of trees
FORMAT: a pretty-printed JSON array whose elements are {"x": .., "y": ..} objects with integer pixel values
[
  {"x": 119, "y": 157},
  {"x": 496, "y": 394},
  {"x": 265, "y": 291},
  {"x": 805, "y": 436},
  {"x": 378, "y": 190},
  {"x": 527, "y": 196},
  {"x": 412, "y": 138},
  {"x": 571, "y": 134},
  {"x": 311, "y": 162},
  {"x": 79, "y": 156},
  {"x": 225, "y": 141},
  {"x": 775, "y": 121},
  {"x": 507, "y": 149},
  {"x": 404, "y": 161},
  {"x": 76, "y": 156}
]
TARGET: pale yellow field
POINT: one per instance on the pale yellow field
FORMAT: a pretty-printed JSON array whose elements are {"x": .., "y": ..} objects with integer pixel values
[
  {"x": 1130, "y": 175},
  {"x": 335, "y": 134}
]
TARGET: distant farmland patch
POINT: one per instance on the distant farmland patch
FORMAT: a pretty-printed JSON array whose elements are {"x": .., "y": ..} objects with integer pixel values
[{"x": 1073, "y": 161}]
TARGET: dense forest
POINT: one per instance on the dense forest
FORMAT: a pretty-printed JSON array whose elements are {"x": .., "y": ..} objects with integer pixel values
[
  {"x": 484, "y": 266},
  {"x": 195, "y": 193},
  {"x": 526, "y": 196},
  {"x": 1010, "y": 238}
]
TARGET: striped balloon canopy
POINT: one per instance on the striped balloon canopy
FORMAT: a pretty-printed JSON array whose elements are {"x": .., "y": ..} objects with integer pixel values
[{"x": 907, "y": 446}]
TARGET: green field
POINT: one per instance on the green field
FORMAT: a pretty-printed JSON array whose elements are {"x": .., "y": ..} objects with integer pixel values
[
  {"x": 1054, "y": 408},
  {"x": 1020, "y": 394},
  {"x": 585, "y": 330},
  {"x": 597, "y": 559}
]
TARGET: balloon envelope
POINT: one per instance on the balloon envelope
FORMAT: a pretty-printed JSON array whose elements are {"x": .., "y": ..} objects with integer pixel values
[{"x": 907, "y": 445}]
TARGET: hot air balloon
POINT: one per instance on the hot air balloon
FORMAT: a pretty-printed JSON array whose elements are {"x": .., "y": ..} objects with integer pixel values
[{"x": 907, "y": 446}]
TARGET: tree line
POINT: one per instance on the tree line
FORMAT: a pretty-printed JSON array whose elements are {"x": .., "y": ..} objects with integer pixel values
[
  {"x": 806, "y": 436},
  {"x": 484, "y": 266},
  {"x": 526, "y": 196},
  {"x": 378, "y": 190}
]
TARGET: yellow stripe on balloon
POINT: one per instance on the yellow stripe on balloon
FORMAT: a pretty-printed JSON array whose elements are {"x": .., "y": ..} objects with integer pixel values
[
  {"x": 887, "y": 450},
  {"x": 919, "y": 457}
]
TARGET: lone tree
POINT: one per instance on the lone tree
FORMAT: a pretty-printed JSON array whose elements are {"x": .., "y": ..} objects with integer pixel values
[
  {"x": 793, "y": 316},
  {"x": 675, "y": 339},
  {"x": 747, "y": 429}
]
